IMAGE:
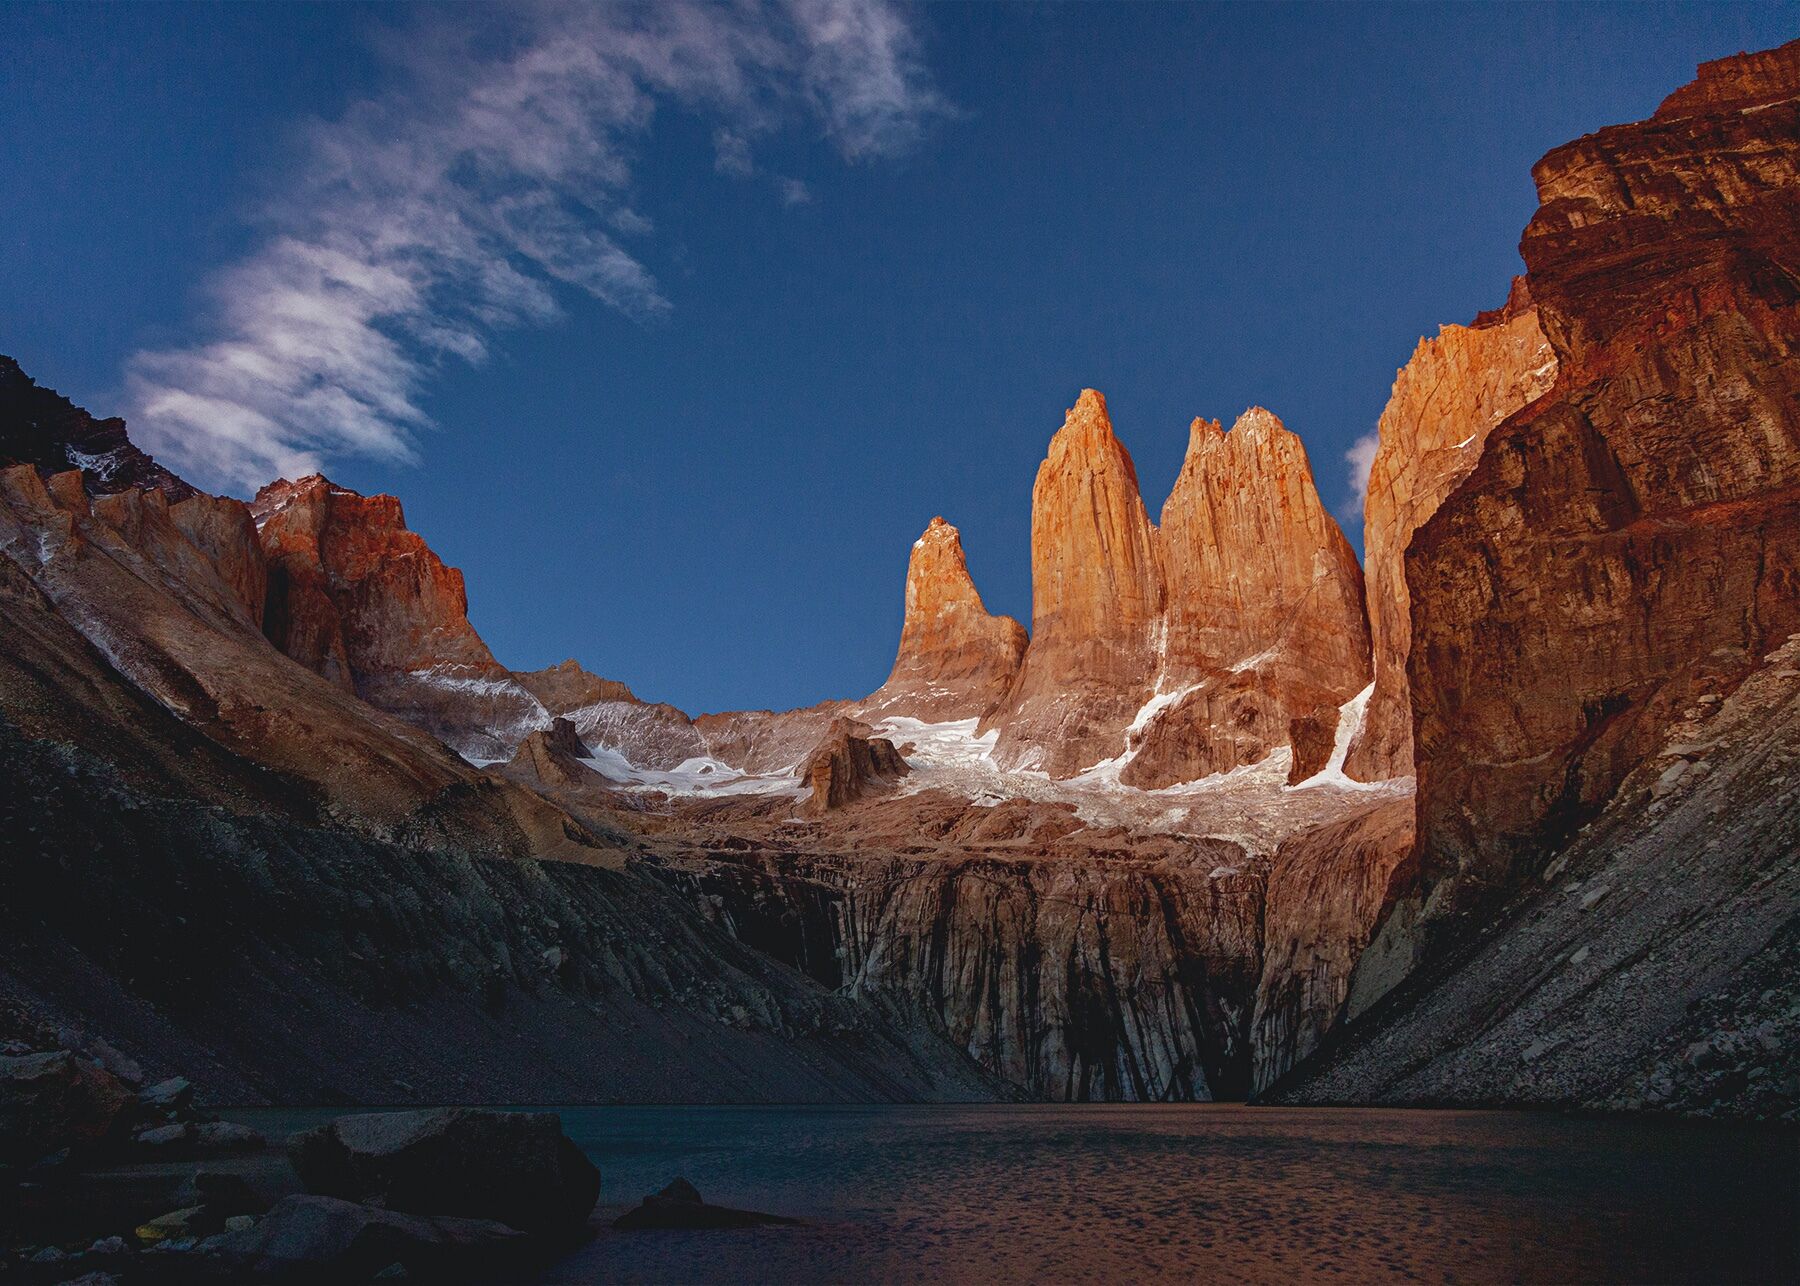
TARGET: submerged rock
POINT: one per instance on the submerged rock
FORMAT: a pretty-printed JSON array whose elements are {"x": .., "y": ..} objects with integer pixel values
[{"x": 680, "y": 1206}]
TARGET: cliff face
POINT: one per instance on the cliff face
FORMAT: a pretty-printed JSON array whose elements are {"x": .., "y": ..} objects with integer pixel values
[
  {"x": 1265, "y": 620},
  {"x": 955, "y": 660},
  {"x": 363, "y": 601},
  {"x": 1175, "y": 653},
  {"x": 1445, "y": 402},
  {"x": 1328, "y": 890},
  {"x": 118, "y": 576},
  {"x": 1096, "y": 592},
  {"x": 1631, "y": 539},
  {"x": 1072, "y": 963},
  {"x": 1650, "y": 965}
]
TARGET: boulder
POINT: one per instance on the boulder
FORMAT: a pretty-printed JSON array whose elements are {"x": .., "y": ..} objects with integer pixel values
[
  {"x": 173, "y": 1095},
  {"x": 323, "y": 1239},
  {"x": 223, "y": 1193},
  {"x": 191, "y": 1221},
  {"x": 226, "y": 1136},
  {"x": 516, "y": 1167},
  {"x": 679, "y": 1206},
  {"x": 57, "y": 1100},
  {"x": 847, "y": 764}
]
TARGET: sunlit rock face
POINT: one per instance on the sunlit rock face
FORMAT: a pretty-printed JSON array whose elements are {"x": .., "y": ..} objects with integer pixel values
[
  {"x": 1631, "y": 540},
  {"x": 1445, "y": 402},
  {"x": 355, "y": 596},
  {"x": 956, "y": 660},
  {"x": 1170, "y": 654},
  {"x": 1096, "y": 596},
  {"x": 1264, "y": 619}
]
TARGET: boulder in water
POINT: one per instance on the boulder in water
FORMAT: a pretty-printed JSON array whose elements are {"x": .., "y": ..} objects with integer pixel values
[{"x": 516, "y": 1167}]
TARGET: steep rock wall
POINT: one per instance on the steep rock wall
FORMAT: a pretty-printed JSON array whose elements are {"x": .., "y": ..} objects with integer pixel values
[
  {"x": 1445, "y": 402},
  {"x": 1632, "y": 538}
]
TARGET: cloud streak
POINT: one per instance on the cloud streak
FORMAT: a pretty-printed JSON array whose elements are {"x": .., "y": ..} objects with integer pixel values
[
  {"x": 1361, "y": 459},
  {"x": 495, "y": 176}
]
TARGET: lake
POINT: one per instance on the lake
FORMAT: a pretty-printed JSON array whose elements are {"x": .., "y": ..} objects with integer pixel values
[{"x": 1220, "y": 1192}]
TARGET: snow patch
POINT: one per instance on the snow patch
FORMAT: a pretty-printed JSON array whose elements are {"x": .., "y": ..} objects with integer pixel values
[{"x": 1350, "y": 719}]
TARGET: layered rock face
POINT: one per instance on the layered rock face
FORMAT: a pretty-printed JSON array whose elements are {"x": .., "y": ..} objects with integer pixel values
[
  {"x": 1188, "y": 650},
  {"x": 1632, "y": 538},
  {"x": 363, "y": 601},
  {"x": 1445, "y": 402},
  {"x": 956, "y": 661},
  {"x": 1328, "y": 890},
  {"x": 1651, "y": 964}
]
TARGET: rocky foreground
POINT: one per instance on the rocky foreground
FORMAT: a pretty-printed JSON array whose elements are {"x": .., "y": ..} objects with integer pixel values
[
  {"x": 1510, "y": 819},
  {"x": 144, "y": 1189}
]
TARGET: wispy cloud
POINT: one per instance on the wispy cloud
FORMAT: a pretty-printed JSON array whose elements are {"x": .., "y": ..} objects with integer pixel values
[
  {"x": 493, "y": 176},
  {"x": 1361, "y": 459}
]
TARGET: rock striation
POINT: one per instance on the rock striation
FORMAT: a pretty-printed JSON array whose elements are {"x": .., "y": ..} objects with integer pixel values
[
  {"x": 1328, "y": 890},
  {"x": 1074, "y": 963},
  {"x": 956, "y": 661},
  {"x": 1630, "y": 539},
  {"x": 1446, "y": 400}
]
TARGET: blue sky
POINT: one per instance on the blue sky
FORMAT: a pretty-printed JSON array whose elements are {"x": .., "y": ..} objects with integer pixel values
[{"x": 695, "y": 365}]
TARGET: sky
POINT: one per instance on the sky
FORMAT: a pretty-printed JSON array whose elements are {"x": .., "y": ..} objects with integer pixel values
[{"x": 674, "y": 326}]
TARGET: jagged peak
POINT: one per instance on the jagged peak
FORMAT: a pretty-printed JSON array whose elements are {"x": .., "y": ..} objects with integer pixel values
[
  {"x": 1087, "y": 439},
  {"x": 939, "y": 532},
  {"x": 939, "y": 569},
  {"x": 1258, "y": 423},
  {"x": 274, "y": 497},
  {"x": 1257, "y": 432},
  {"x": 1087, "y": 422}
]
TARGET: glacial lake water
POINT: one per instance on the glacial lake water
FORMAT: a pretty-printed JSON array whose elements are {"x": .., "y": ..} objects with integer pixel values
[{"x": 1209, "y": 1192}]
